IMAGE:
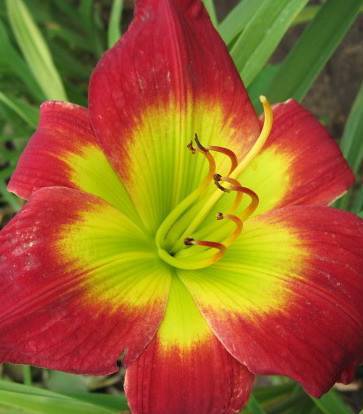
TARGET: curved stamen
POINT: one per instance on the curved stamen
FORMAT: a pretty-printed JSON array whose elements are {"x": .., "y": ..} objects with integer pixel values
[
  {"x": 226, "y": 151},
  {"x": 236, "y": 186},
  {"x": 256, "y": 148},
  {"x": 189, "y": 241},
  {"x": 239, "y": 225},
  {"x": 208, "y": 156},
  {"x": 175, "y": 214}
]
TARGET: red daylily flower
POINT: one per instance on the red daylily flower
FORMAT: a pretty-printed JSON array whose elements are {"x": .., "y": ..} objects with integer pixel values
[{"x": 118, "y": 250}]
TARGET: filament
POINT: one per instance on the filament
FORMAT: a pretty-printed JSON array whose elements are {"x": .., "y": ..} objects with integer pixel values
[
  {"x": 240, "y": 190},
  {"x": 189, "y": 241},
  {"x": 239, "y": 225}
]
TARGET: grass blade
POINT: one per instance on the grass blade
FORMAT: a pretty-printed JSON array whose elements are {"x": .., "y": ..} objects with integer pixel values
[
  {"x": 351, "y": 143},
  {"x": 331, "y": 403},
  {"x": 40, "y": 401},
  {"x": 35, "y": 50},
  {"x": 262, "y": 34},
  {"x": 114, "y": 27},
  {"x": 15, "y": 64},
  {"x": 27, "y": 112},
  {"x": 309, "y": 13},
  {"x": 312, "y": 50},
  {"x": 209, "y": 5},
  {"x": 237, "y": 19},
  {"x": 253, "y": 407}
]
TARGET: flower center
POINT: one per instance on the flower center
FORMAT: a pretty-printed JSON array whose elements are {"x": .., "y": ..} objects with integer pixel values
[{"x": 174, "y": 239}]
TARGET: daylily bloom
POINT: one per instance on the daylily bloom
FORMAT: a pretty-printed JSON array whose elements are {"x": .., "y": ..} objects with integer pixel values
[{"x": 170, "y": 226}]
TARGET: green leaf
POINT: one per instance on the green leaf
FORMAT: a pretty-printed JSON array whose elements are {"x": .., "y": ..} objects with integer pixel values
[
  {"x": 13, "y": 201},
  {"x": 35, "y": 50},
  {"x": 351, "y": 143},
  {"x": 274, "y": 391},
  {"x": 257, "y": 42},
  {"x": 259, "y": 85},
  {"x": 12, "y": 61},
  {"x": 40, "y": 401},
  {"x": 114, "y": 27},
  {"x": 66, "y": 383},
  {"x": 309, "y": 13},
  {"x": 237, "y": 19},
  {"x": 27, "y": 112},
  {"x": 27, "y": 374},
  {"x": 312, "y": 50},
  {"x": 253, "y": 407},
  {"x": 209, "y": 5},
  {"x": 352, "y": 148},
  {"x": 331, "y": 403}
]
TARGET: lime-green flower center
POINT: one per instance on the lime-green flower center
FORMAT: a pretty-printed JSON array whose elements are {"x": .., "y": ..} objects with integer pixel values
[{"x": 174, "y": 239}]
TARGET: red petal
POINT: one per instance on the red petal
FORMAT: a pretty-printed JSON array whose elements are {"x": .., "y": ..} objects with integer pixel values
[
  {"x": 75, "y": 295},
  {"x": 287, "y": 298},
  {"x": 185, "y": 369},
  {"x": 169, "y": 77},
  {"x": 300, "y": 163},
  {"x": 64, "y": 152}
]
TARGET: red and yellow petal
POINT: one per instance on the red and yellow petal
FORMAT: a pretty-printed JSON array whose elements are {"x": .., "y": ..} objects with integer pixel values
[
  {"x": 185, "y": 369},
  {"x": 287, "y": 297},
  {"x": 64, "y": 152},
  {"x": 81, "y": 285},
  {"x": 169, "y": 77},
  {"x": 300, "y": 163}
]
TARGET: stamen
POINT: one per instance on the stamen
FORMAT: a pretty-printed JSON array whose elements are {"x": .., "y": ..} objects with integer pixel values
[
  {"x": 175, "y": 214},
  {"x": 191, "y": 148},
  {"x": 230, "y": 154},
  {"x": 189, "y": 241},
  {"x": 217, "y": 181},
  {"x": 226, "y": 151},
  {"x": 239, "y": 225},
  {"x": 200, "y": 146},
  {"x": 236, "y": 186}
]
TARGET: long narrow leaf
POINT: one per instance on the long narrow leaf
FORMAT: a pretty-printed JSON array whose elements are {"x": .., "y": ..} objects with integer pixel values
[
  {"x": 312, "y": 50},
  {"x": 28, "y": 113},
  {"x": 40, "y": 401},
  {"x": 209, "y": 4},
  {"x": 253, "y": 407},
  {"x": 114, "y": 27},
  {"x": 331, "y": 403},
  {"x": 237, "y": 19},
  {"x": 35, "y": 50},
  {"x": 15, "y": 64},
  {"x": 351, "y": 143},
  {"x": 262, "y": 34}
]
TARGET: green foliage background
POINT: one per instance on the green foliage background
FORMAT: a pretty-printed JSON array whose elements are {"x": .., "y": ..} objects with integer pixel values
[{"x": 47, "y": 51}]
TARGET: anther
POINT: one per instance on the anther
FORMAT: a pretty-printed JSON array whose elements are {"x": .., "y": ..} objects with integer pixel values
[
  {"x": 236, "y": 186},
  {"x": 191, "y": 148},
  {"x": 217, "y": 181},
  {"x": 226, "y": 151},
  {"x": 189, "y": 241},
  {"x": 219, "y": 216},
  {"x": 199, "y": 145}
]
